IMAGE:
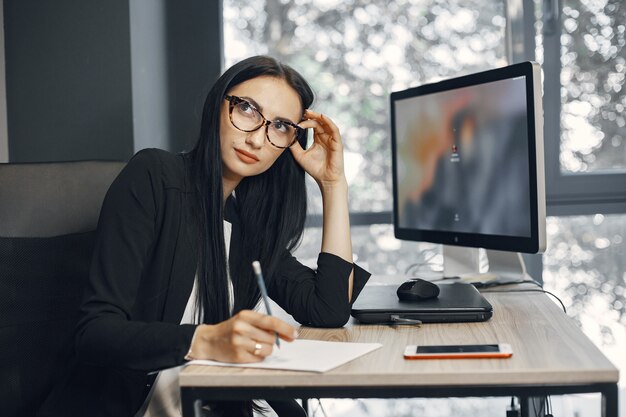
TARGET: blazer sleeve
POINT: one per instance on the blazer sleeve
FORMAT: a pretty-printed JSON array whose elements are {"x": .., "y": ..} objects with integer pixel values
[
  {"x": 107, "y": 334},
  {"x": 317, "y": 297}
]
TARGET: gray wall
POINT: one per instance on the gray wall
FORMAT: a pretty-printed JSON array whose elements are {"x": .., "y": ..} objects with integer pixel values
[
  {"x": 91, "y": 79},
  {"x": 4, "y": 139},
  {"x": 149, "y": 73},
  {"x": 68, "y": 79},
  {"x": 195, "y": 60}
]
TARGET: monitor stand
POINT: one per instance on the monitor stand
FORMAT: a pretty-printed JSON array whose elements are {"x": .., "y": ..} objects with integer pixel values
[{"x": 504, "y": 267}]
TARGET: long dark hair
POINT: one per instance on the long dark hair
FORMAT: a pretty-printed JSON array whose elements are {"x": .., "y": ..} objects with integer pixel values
[{"x": 271, "y": 206}]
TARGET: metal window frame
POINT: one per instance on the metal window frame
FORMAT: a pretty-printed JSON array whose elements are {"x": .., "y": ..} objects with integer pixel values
[
  {"x": 566, "y": 194},
  {"x": 519, "y": 47},
  {"x": 580, "y": 194},
  {"x": 569, "y": 194}
]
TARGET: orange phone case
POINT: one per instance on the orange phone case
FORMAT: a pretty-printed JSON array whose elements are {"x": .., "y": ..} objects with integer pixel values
[
  {"x": 505, "y": 353},
  {"x": 477, "y": 355}
]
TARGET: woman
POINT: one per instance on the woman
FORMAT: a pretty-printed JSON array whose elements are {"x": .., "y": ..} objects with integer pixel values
[{"x": 176, "y": 238}]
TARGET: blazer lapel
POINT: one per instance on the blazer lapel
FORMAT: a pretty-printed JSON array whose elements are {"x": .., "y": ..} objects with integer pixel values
[{"x": 184, "y": 267}]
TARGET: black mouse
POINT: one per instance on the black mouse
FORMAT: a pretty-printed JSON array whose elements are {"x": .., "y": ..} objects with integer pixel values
[{"x": 417, "y": 289}]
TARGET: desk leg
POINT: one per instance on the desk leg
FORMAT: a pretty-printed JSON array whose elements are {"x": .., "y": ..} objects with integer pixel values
[
  {"x": 532, "y": 406},
  {"x": 610, "y": 401},
  {"x": 192, "y": 407},
  {"x": 524, "y": 404}
]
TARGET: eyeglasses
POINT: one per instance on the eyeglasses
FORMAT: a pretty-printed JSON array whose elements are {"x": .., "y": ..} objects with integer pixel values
[{"x": 245, "y": 117}]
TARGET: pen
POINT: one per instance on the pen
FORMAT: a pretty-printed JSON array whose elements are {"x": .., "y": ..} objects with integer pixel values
[{"x": 259, "y": 279}]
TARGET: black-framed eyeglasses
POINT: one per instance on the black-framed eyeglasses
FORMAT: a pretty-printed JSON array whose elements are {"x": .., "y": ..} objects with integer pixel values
[{"x": 245, "y": 117}]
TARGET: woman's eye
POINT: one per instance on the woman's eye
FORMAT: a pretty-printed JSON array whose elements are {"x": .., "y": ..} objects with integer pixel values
[
  {"x": 245, "y": 107},
  {"x": 281, "y": 126}
]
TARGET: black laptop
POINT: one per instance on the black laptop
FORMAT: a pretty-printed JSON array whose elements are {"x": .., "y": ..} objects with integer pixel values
[{"x": 457, "y": 302}]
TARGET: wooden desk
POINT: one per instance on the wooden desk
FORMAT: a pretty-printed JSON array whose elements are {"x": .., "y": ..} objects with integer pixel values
[{"x": 551, "y": 355}]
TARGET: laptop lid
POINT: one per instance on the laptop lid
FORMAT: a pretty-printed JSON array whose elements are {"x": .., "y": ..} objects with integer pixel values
[{"x": 457, "y": 302}]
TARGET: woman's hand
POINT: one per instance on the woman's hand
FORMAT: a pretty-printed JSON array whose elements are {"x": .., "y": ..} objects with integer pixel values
[
  {"x": 324, "y": 159},
  {"x": 248, "y": 336},
  {"x": 324, "y": 162}
]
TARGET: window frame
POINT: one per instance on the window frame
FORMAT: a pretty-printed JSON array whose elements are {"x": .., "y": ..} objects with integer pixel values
[
  {"x": 577, "y": 193},
  {"x": 566, "y": 194}
]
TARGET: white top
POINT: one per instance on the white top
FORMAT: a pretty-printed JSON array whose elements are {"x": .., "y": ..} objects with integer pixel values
[{"x": 164, "y": 397}]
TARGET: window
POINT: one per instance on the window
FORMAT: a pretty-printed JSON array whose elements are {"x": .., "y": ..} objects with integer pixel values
[
  {"x": 585, "y": 265},
  {"x": 592, "y": 95},
  {"x": 356, "y": 52},
  {"x": 581, "y": 45}
]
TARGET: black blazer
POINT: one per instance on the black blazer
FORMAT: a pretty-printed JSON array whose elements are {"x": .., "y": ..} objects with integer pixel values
[{"x": 141, "y": 277}]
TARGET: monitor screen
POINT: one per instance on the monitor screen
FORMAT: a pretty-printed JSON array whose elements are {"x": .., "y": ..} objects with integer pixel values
[{"x": 468, "y": 161}]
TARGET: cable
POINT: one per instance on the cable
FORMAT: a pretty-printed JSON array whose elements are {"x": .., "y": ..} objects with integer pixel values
[
  {"x": 396, "y": 319},
  {"x": 513, "y": 410},
  {"x": 496, "y": 283},
  {"x": 546, "y": 404},
  {"x": 533, "y": 290},
  {"x": 482, "y": 285},
  {"x": 543, "y": 403},
  {"x": 319, "y": 407},
  {"x": 446, "y": 279},
  {"x": 491, "y": 284},
  {"x": 549, "y": 408},
  {"x": 421, "y": 263}
]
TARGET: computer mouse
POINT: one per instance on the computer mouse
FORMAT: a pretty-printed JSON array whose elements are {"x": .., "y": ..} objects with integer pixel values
[{"x": 417, "y": 289}]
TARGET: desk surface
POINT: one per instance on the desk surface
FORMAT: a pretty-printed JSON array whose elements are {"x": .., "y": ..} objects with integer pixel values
[{"x": 548, "y": 348}]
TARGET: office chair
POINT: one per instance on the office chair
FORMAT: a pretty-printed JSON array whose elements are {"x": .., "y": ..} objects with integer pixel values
[{"x": 48, "y": 217}]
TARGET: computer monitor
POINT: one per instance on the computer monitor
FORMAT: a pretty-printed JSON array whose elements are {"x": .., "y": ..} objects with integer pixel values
[{"x": 467, "y": 165}]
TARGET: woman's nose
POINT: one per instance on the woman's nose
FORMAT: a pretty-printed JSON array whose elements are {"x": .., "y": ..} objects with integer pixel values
[{"x": 256, "y": 139}]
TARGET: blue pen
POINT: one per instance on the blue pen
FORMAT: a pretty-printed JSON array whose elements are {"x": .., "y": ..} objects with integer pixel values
[{"x": 259, "y": 279}]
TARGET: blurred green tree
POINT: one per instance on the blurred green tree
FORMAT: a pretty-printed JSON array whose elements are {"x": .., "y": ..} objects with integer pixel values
[
  {"x": 593, "y": 57},
  {"x": 356, "y": 52}
]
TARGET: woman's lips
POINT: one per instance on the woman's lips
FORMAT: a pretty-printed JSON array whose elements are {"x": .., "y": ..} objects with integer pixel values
[{"x": 246, "y": 157}]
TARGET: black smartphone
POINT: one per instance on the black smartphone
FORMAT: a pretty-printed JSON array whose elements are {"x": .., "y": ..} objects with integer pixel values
[{"x": 498, "y": 350}]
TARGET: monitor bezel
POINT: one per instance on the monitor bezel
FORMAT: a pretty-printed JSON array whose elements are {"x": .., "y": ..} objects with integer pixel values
[{"x": 536, "y": 241}]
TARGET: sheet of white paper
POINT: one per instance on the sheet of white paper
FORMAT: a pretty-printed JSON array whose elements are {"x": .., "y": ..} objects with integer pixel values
[{"x": 305, "y": 355}]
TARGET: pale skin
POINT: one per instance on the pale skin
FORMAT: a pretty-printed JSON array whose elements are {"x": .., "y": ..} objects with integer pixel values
[{"x": 249, "y": 153}]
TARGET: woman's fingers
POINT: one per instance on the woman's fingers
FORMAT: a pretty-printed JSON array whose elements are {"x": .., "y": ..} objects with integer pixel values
[
  {"x": 249, "y": 332},
  {"x": 248, "y": 336},
  {"x": 328, "y": 126},
  {"x": 257, "y": 332},
  {"x": 269, "y": 324},
  {"x": 297, "y": 150},
  {"x": 322, "y": 134},
  {"x": 323, "y": 160},
  {"x": 245, "y": 349},
  {"x": 262, "y": 349},
  {"x": 312, "y": 124},
  {"x": 333, "y": 127},
  {"x": 325, "y": 130}
]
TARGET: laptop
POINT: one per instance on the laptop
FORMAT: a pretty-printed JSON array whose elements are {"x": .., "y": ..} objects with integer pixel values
[{"x": 457, "y": 302}]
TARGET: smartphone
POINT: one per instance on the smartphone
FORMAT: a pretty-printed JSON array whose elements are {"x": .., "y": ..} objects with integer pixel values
[{"x": 500, "y": 350}]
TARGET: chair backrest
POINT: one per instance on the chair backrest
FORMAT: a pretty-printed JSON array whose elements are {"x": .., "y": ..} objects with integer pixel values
[{"x": 48, "y": 218}]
